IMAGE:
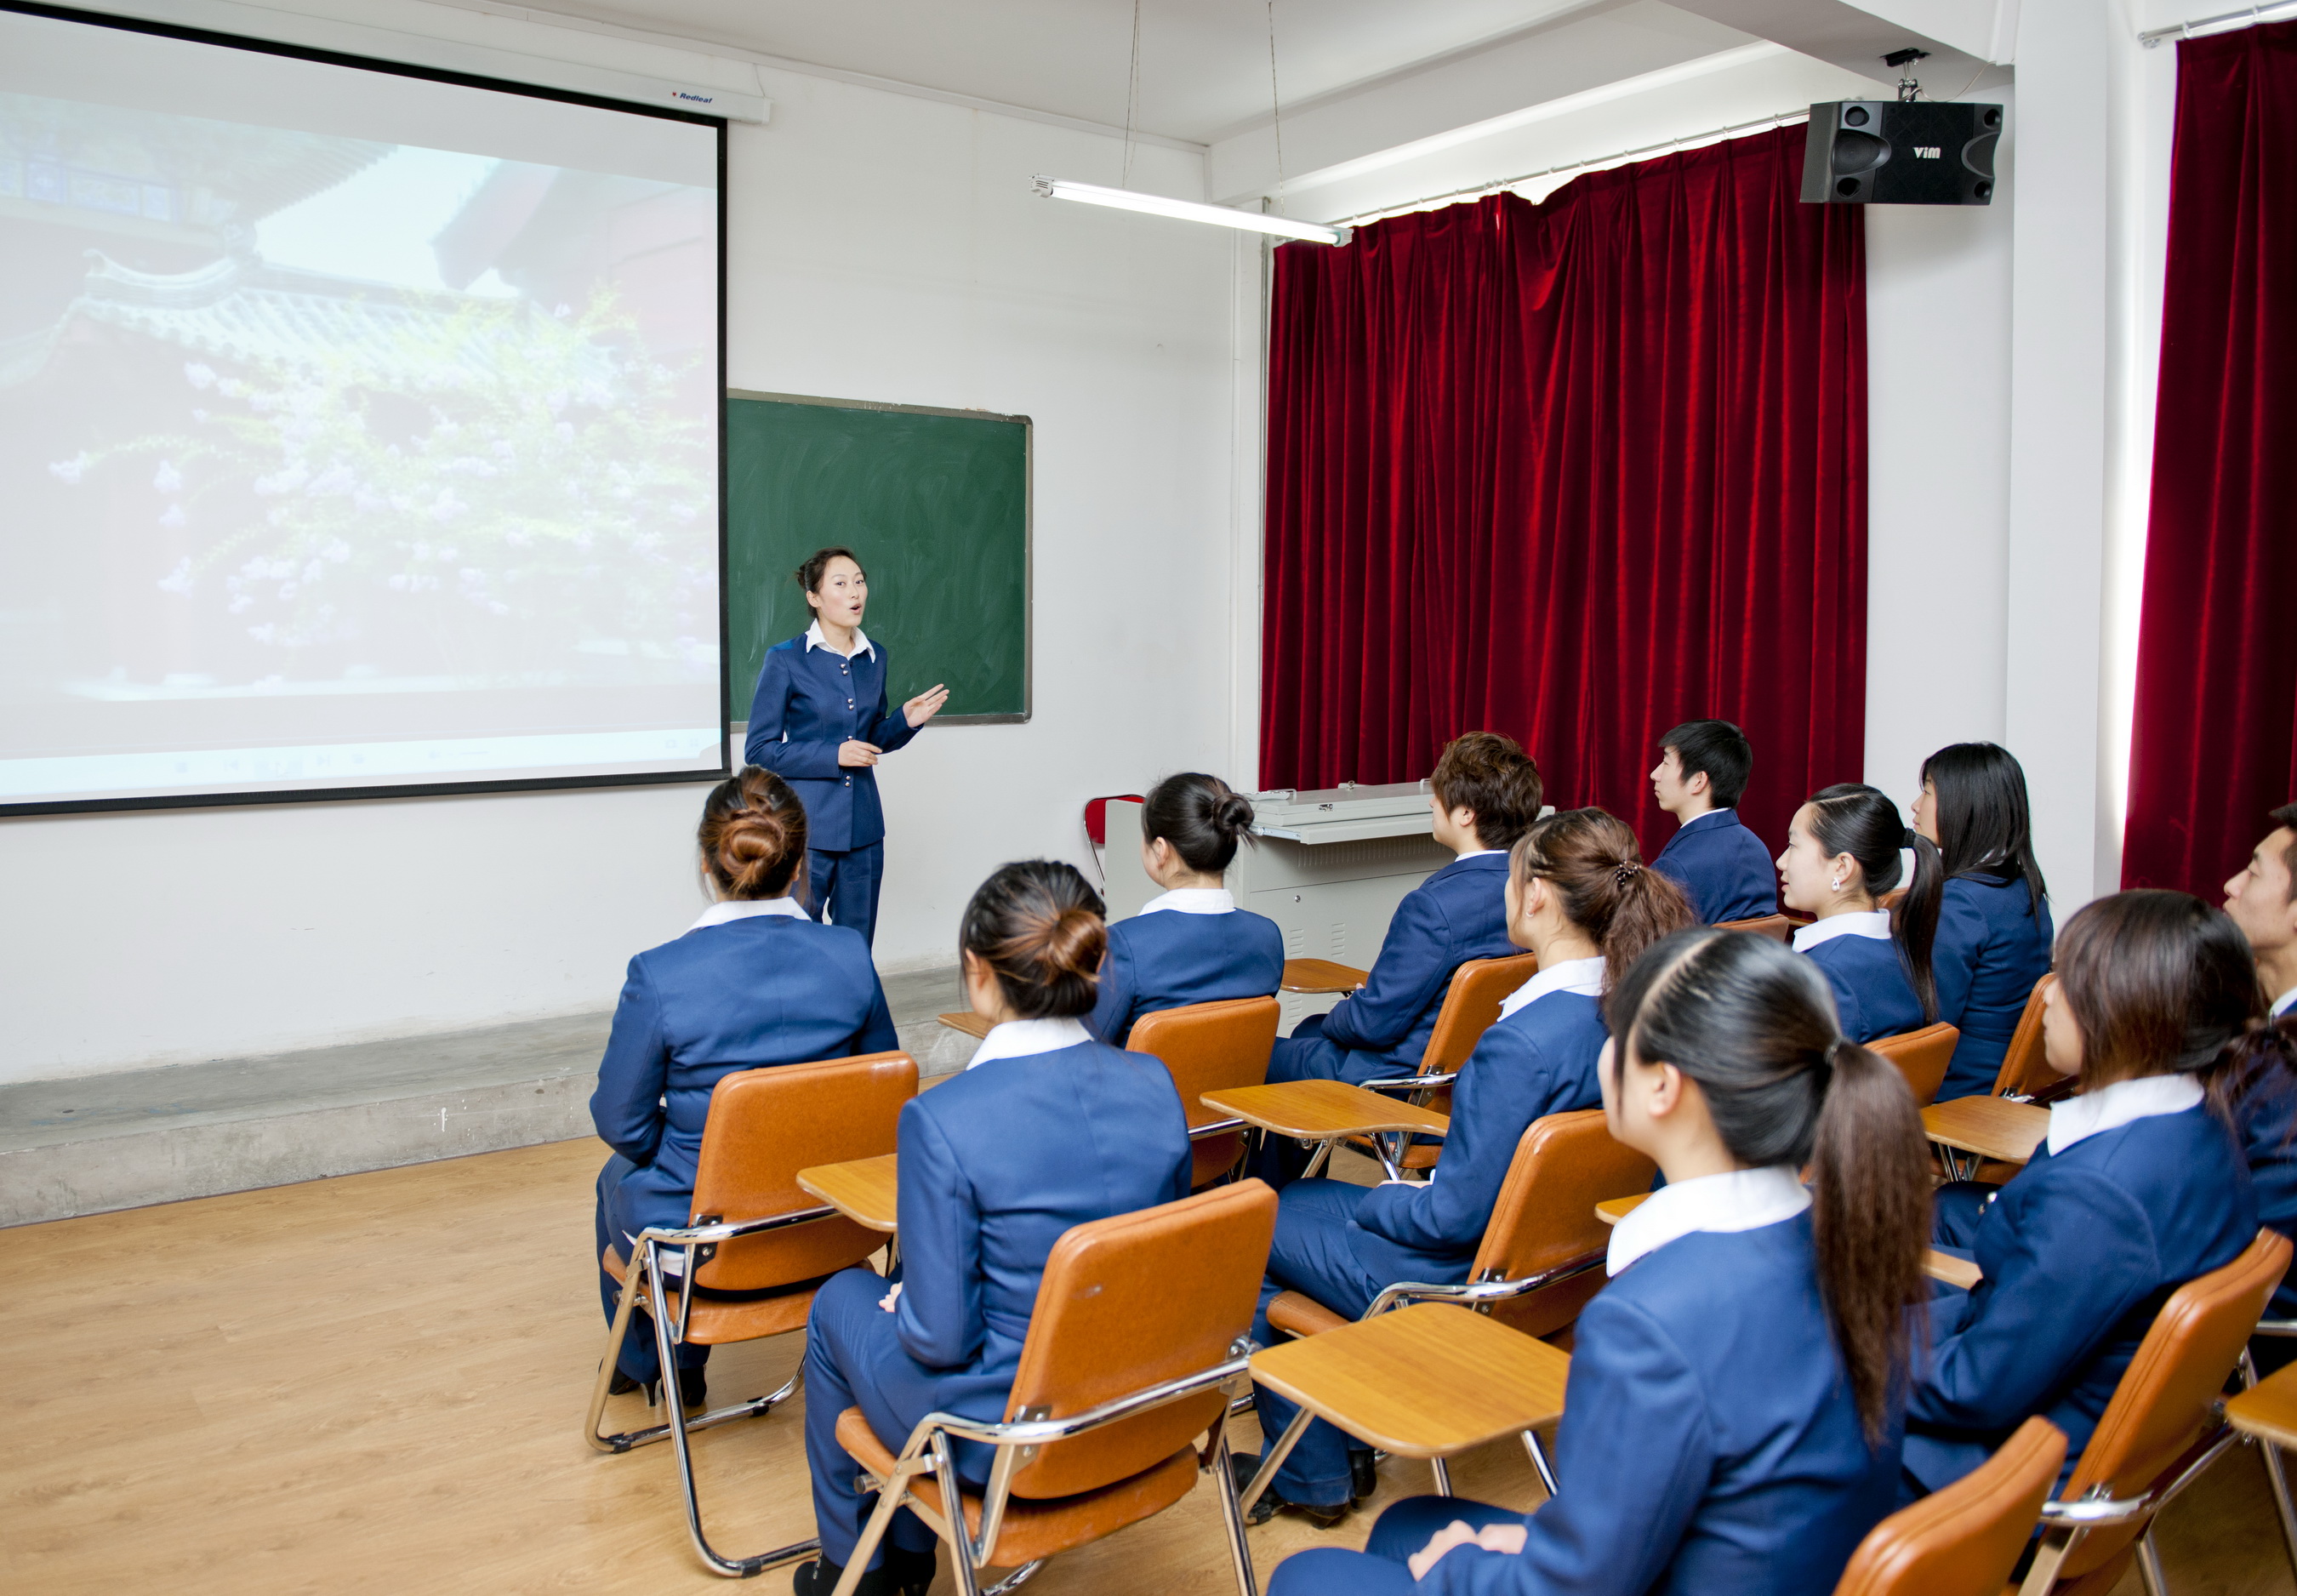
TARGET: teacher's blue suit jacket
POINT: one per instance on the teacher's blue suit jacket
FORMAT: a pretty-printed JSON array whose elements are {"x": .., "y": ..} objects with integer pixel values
[
  {"x": 1169, "y": 959},
  {"x": 762, "y": 990},
  {"x": 808, "y": 701},
  {"x": 996, "y": 1164},
  {"x": 1722, "y": 868},
  {"x": 1457, "y": 914},
  {"x": 1710, "y": 1442},
  {"x": 1993, "y": 943},
  {"x": 2078, "y": 1253},
  {"x": 1874, "y": 995},
  {"x": 1537, "y": 1061}
]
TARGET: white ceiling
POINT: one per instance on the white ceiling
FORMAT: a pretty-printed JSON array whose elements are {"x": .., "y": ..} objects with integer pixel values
[{"x": 1203, "y": 63}]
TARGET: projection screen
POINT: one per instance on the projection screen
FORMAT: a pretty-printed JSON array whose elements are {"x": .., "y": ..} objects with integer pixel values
[{"x": 359, "y": 429}]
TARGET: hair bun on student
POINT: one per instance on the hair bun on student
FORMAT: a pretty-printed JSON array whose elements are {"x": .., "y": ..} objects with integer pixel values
[
  {"x": 1038, "y": 928},
  {"x": 1199, "y": 818},
  {"x": 753, "y": 835},
  {"x": 1233, "y": 815},
  {"x": 1071, "y": 945},
  {"x": 751, "y": 850}
]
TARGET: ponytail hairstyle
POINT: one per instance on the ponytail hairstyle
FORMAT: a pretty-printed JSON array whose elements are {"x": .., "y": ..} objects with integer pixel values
[
  {"x": 1038, "y": 925},
  {"x": 1199, "y": 817},
  {"x": 1492, "y": 775},
  {"x": 753, "y": 835},
  {"x": 2163, "y": 984},
  {"x": 1855, "y": 818},
  {"x": 1755, "y": 1026},
  {"x": 1601, "y": 882},
  {"x": 1984, "y": 822}
]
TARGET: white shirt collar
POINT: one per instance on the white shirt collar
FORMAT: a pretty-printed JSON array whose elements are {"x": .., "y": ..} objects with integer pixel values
[
  {"x": 1712, "y": 814},
  {"x": 1018, "y": 1039},
  {"x": 861, "y": 643},
  {"x": 1876, "y": 923},
  {"x": 1581, "y": 976},
  {"x": 1193, "y": 900},
  {"x": 743, "y": 908},
  {"x": 1743, "y": 1199},
  {"x": 2285, "y": 1002},
  {"x": 1481, "y": 853},
  {"x": 2110, "y": 1107}
]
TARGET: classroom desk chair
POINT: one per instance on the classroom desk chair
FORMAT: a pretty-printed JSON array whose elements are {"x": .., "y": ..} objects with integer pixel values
[
  {"x": 1327, "y": 1112},
  {"x": 753, "y": 1231},
  {"x": 1777, "y": 927},
  {"x": 975, "y": 1025},
  {"x": 1471, "y": 1005},
  {"x": 1209, "y": 1046},
  {"x": 1135, "y": 1347},
  {"x": 1998, "y": 1131},
  {"x": 2024, "y": 1070},
  {"x": 1965, "y": 1540},
  {"x": 2266, "y": 1411},
  {"x": 1425, "y": 1381},
  {"x": 865, "y": 1191},
  {"x": 1922, "y": 1057},
  {"x": 2164, "y": 1427},
  {"x": 1318, "y": 976}
]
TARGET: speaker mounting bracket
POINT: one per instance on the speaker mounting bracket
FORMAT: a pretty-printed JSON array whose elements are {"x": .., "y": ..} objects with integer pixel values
[{"x": 1904, "y": 60}]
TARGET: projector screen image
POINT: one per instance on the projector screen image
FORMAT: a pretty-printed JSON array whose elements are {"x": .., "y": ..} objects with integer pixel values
[{"x": 357, "y": 430}]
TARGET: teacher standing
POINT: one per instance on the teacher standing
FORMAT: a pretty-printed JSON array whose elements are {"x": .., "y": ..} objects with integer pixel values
[{"x": 819, "y": 722}]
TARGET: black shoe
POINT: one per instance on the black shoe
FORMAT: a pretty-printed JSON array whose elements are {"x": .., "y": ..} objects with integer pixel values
[
  {"x": 692, "y": 1388},
  {"x": 622, "y": 1385},
  {"x": 910, "y": 1572},
  {"x": 1242, "y": 1468},
  {"x": 819, "y": 1577},
  {"x": 1364, "y": 1473}
]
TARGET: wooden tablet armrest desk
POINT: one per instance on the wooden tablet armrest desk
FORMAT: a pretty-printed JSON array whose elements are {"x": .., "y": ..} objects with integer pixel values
[
  {"x": 866, "y": 1190},
  {"x": 1321, "y": 976},
  {"x": 974, "y": 1026},
  {"x": 1972, "y": 1129},
  {"x": 1325, "y": 1111}
]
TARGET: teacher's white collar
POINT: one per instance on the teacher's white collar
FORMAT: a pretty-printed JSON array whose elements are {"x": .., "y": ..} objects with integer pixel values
[{"x": 861, "y": 643}]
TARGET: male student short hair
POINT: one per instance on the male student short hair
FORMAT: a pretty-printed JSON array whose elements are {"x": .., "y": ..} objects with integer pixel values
[
  {"x": 1718, "y": 749},
  {"x": 1493, "y": 776},
  {"x": 2286, "y": 817}
]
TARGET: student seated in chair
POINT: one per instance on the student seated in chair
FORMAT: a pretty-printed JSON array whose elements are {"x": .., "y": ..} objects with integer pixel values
[
  {"x": 1579, "y": 896},
  {"x": 1192, "y": 944},
  {"x": 1731, "y": 1422},
  {"x": 1841, "y": 856},
  {"x": 2262, "y": 899},
  {"x": 1045, "y": 1130},
  {"x": 754, "y": 982},
  {"x": 1485, "y": 792},
  {"x": 1993, "y": 932},
  {"x": 1721, "y": 866},
  {"x": 2139, "y": 1188}
]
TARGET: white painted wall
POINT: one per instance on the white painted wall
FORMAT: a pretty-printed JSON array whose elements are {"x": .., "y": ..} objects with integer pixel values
[{"x": 880, "y": 246}]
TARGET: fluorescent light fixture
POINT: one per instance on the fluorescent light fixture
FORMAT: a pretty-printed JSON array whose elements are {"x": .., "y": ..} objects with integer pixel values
[{"x": 1188, "y": 211}]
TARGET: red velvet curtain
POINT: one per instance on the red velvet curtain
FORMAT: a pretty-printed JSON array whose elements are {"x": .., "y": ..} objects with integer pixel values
[
  {"x": 2214, "y": 742},
  {"x": 1575, "y": 472}
]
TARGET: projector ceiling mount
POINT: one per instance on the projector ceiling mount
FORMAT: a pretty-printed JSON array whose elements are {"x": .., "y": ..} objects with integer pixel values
[{"x": 1904, "y": 60}]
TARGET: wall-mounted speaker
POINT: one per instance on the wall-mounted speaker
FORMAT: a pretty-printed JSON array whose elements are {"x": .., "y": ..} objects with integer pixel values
[{"x": 1900, "y": 153}]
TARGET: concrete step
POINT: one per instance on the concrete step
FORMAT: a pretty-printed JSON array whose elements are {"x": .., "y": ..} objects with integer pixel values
[{"x": 92, "y": 1143}]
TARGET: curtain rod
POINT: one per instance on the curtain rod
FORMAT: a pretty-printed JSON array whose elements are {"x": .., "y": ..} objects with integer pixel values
[
  {"x": 2224, "y": 22},
  {"x": 1785, "y": 119}
]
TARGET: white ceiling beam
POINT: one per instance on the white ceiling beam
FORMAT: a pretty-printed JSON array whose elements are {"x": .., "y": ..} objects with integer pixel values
[{"x": 1960, "y": 35}]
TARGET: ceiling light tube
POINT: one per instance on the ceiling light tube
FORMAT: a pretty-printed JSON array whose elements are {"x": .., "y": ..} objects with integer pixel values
[{"x": 1190, "y": 211}]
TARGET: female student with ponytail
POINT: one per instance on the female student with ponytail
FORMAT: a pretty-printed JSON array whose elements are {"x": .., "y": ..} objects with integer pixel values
[
  {"x": 1046, "y": 1129},
  {"x": 1841, "y": 856},
  {"x": 1579, "y": 896},
  {"x": 1994, "y": 928},
  {"x": 1730, "y": 1422},
  {"x": 2138, "y": 1189},
  {"x": 1192, "y": 944},
  {"x": 754, "y": 982}
]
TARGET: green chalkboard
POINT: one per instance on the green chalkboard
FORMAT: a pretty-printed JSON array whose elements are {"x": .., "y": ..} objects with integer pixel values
[{"x": 936, "y": 504}]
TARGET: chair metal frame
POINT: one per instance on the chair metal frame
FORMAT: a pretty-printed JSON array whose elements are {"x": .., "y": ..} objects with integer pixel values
[
  {"x": 1475, "y": 1295},
  {"x": 645, "y": 1274},
  {"x": 2281, "y": 1330},
  {"x": 1018, "y": 1440}
]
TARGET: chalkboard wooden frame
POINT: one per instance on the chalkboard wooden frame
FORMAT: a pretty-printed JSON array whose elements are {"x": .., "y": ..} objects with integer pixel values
[{"x": 1028, "y": 549}]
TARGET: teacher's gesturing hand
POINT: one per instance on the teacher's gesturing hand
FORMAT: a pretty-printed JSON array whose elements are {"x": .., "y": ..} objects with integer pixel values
[
  {"x": 853, "y": 754},
  {"x": 925, "y": 706}
]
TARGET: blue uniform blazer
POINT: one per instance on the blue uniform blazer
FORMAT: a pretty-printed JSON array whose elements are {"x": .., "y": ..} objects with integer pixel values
[
  {"x": 1709, "y": 1442},
  {"x": 1992, "y": 946},
  {"x": 2265, "y": 1120},
  {"x": 1874, "y": 995},
  {"x": 1169, "y": 959},
  {"x": 996, "y": 1164},
  {"x": 808, "y": 701},
  {"x": 2078, "y": 1253},
  {"x": 1457, "y": 914},
  {"x": 767, "y": 989},
  {"x": 1537, "y": 1061},
  {"x": 1722, "y": 866}
]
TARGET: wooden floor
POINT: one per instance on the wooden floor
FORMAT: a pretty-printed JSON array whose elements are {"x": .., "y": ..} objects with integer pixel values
[{"x": 376, "y": 1383}]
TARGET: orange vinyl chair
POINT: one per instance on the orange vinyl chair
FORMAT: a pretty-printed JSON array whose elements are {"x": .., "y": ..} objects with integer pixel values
[
  {"x": 1777, "y": 927},
  {"x": 1922, "y": 1057},
  {"x": 1139, "y": 1339},
  {"x": 2164, "y": 1426},
  {"x": 1539, "y": 1261},
  {"x": 753, "y": 1231},
  {"x": 2024, "y": 1070},
  {"x": 1965, "y": 1540},
  {"x": 1209, "y": 1047},
  {"x": 1471, "y": 1003}
]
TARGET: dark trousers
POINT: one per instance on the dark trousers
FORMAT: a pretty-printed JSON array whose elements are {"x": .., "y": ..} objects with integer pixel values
[
  {"x": 1311, "y": 1254},
  {"x": 843, "y": 886},
  {"x": 638, "y": 1357},
  {"x": 1382, "y": 1568}
]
